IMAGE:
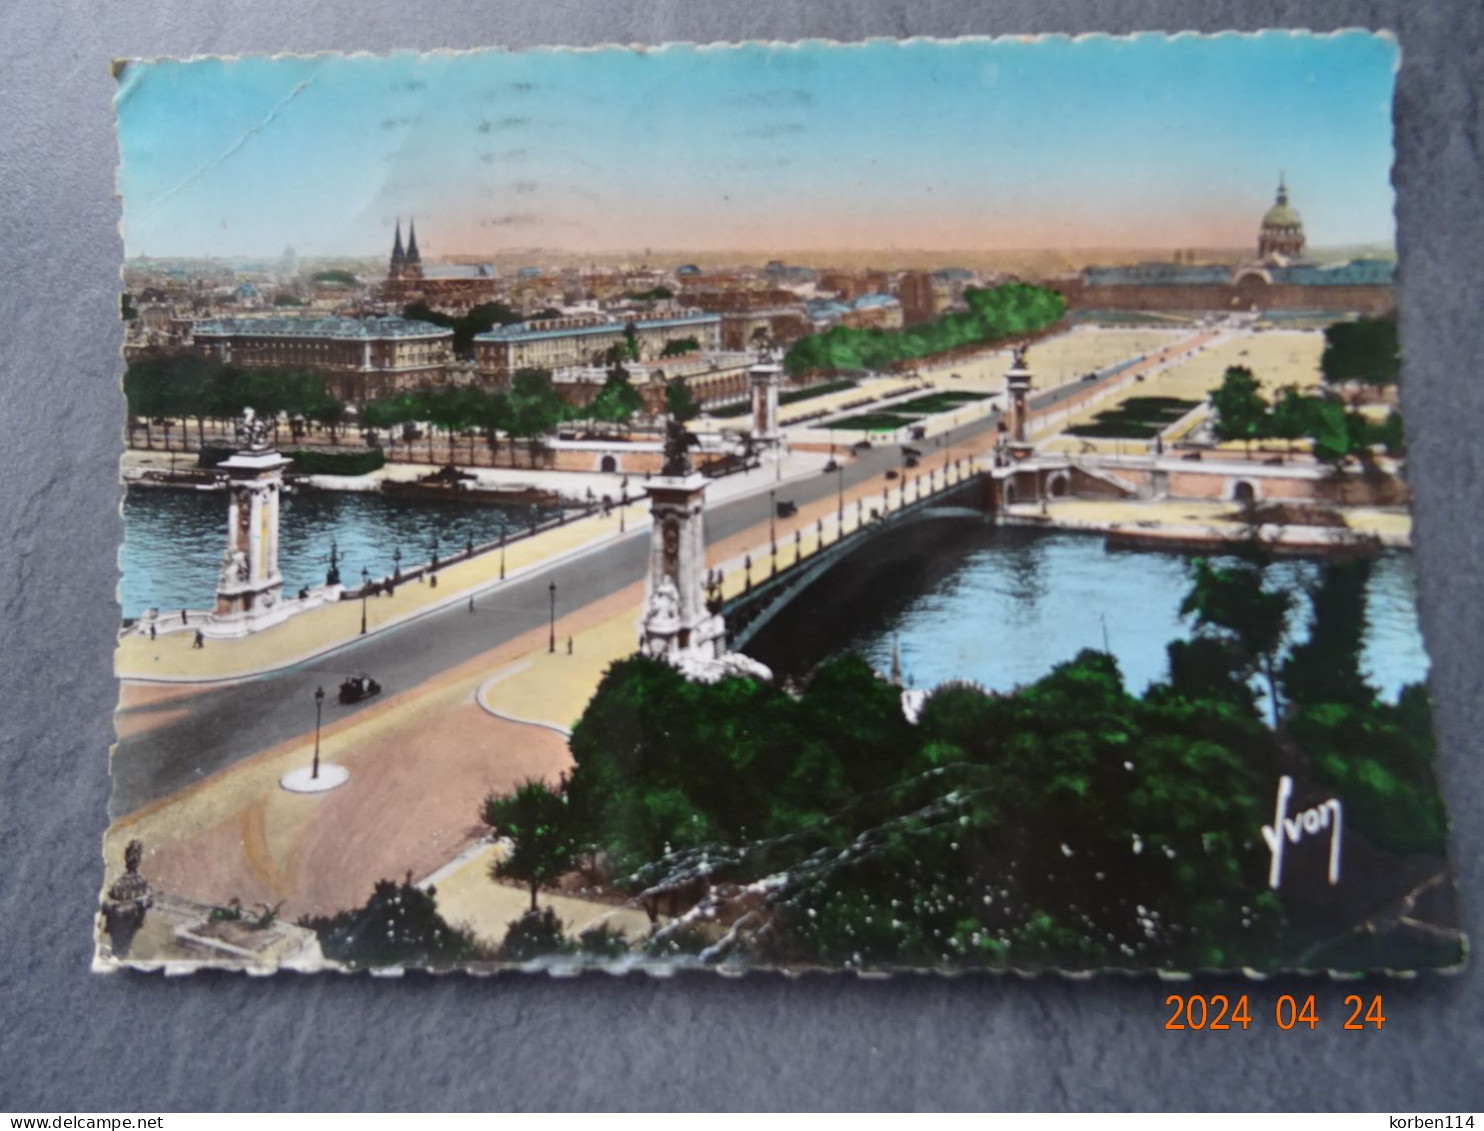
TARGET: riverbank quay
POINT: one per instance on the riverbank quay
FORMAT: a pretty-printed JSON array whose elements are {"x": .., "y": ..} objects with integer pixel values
[
  {"x": 1180, "y": 525},
  {"x": 171, "y": 656}
]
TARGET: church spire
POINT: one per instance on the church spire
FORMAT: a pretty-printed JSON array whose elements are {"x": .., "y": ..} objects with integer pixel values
[
  {"x": 398, "y": 255},
  {"x": 1282, "y": 188},
  {"x": 412, "y": 255}
]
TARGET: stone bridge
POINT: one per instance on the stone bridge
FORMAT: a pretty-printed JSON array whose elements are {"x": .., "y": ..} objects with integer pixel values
[{"x": 964, "y": 495}]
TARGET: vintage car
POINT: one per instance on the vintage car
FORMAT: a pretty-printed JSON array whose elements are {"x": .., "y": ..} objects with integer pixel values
[
  {"x": 787, "y": 508},
  {"x": 357, "y": 687}
]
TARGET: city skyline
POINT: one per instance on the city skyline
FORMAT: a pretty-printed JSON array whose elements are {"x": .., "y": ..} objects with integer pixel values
[{"x": 982, "y": 145}]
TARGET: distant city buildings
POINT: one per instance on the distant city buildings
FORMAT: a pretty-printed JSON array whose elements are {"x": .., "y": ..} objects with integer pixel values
[
  {"x": 1276, "y": 278},
  {"x": 555, "y": 343},
  {"x": 361, "y": 359}
]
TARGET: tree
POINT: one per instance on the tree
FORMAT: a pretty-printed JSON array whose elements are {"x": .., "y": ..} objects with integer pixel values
[
  {"x": 1365, "y": 351},
  {"x": 1232, "y": 603},
  {"x": 1325, "y": 668},
  {"x": 1241, "y": 413},
  {"x": 399, "y": 926},
  {"x": 617, "y": 401},
  {"x": 536, "y": 821},
  {"x": 535, "y": 407},
  {"x": 680, "y": 402}
]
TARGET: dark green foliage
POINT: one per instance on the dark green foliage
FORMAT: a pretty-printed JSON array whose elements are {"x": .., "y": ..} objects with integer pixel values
[
  {"x": 1241, "y": 413},
  {"x": 618, "y": 401},
  {"x": 654, "y": 294},
  {"x": 126, "y": 307},
  {"x": 285, "y": 299},
  {"x": 480, "y": 319},
  {"x": 308, "y": 462},
  {"x": 1365, "y": 350},
  {"x": 534, "y": 935},
  {"x": 1325, "y": 668},
  {"x": 680, "y": 402},
  {"x": 399, "y": 926},
  {"x": 1137, "y": 418},
  {"x": 937, "y": 402},
  {"x": 1233, "y": 605},
  {"x": 1379, "y": 758},
  {"x": 603, "y": 941},
  {"x": 343, "y": 278},
  {"x": 537, "y": 822},
  {"x": 872, "y": 422},
  {"x": 677, "y": 347},
  {"x": 994, "y": 313},
  {"x": 1002, "y": 829}
]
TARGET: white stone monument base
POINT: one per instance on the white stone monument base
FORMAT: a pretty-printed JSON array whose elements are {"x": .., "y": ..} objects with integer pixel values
[{"x": 330, "y": 776}]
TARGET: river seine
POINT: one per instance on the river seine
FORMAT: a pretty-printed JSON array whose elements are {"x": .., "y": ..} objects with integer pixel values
[
  {"x": 1002, "y": 605},
  {"x": 173, "y": 540}
]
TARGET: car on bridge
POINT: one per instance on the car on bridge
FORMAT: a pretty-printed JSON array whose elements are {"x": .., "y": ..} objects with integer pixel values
[
  {"x": 787, "y": 508},
  {"x": 357, "y": 687}
]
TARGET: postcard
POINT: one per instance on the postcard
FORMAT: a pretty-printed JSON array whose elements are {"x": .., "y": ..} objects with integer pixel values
[{"x": 925, "y": 505}]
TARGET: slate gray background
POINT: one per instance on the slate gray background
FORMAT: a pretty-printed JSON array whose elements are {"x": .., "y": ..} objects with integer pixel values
[{"x": 70, "y": 1040}]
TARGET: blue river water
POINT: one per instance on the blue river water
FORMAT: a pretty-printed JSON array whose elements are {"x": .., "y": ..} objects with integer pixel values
[
  {"x": 173, "y": 540},
  {"x": 1001, "y": 606},
  {"x": 961, "y": 600}
]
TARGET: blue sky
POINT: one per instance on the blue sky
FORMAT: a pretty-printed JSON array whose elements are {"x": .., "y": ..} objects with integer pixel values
[{"x": 970, "y": 144}]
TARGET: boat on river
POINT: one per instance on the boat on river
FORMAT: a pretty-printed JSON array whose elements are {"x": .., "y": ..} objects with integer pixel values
[{"x": 450, "y": 485}]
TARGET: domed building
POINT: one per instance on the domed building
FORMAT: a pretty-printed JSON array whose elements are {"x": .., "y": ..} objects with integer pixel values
[{"x": 1282, "y": 234}]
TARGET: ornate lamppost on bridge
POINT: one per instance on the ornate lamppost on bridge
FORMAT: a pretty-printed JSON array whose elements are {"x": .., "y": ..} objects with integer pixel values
[
  {"x": 551, "y": 643},
  {"x": 365, "y": 592},
  {"x": 502, "y": 553},
  {"x": 773, "y": 528}
]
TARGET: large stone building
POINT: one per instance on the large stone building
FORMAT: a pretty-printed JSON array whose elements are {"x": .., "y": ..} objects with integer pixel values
[
  {"x": 1276, "y": 278},
  {"x": 559, "y": 343},
  {"x": 361, "y": 359}
]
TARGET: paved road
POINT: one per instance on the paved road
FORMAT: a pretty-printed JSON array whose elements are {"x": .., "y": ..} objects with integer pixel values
[{"x": 225, "y": 725}]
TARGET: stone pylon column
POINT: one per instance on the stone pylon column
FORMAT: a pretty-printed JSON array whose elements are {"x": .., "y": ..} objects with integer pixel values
[
  {"x": 249, "y": 584},
  {"x": 764, "y": 379},
  {"x": 1017, "y": 388},
  {"x": 676, "y": 623}
]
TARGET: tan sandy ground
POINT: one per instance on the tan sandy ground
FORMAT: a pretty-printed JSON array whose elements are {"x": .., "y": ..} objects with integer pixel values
[{"x": 467, "y": 897}]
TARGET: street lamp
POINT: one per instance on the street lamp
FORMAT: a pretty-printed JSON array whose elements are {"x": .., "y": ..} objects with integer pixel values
[
  {"x": 365, "y": 592},
  {"x": 551, "y": 644},
  {"x": 319, "y": 708},
  {"x": 840, "y": 495},
  {"x": 397, "y": 563},
  {"x": 502, "y": 553}
]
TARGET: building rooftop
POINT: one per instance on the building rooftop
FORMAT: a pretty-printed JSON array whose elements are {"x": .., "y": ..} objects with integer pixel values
[
  {"x": 561, "y": 328},
  {"x": 339, "y": 329}
]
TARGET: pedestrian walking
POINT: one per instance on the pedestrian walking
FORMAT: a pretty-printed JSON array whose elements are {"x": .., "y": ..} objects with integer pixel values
[
  {"x": 569, "y": 645},
  {"x": 200, "y": 639},
  {"x": 151, "y": 630},
  {"x": 183, "y": 617}
]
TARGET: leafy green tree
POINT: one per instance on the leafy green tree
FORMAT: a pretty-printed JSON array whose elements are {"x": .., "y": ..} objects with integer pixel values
[
  {"x": 680, "y": 402},
  {"x": 1365, "y": 350},
  {"x": 536, "y": 821},
  {"x": 534, "y": 935},
  {"x": 1325, "y": 668},
  {"x": 676, "y": 347},
  {"x": 1241, "y": 412},
  {"x": 126, "y": 307},
  {"x": 399, "y": 926},
  {"x": 534, "y": 406},
  {"x": 617, "y": 401},
  {"x": 1234, "y": 603},
  {"x": 631, "y": 341}
]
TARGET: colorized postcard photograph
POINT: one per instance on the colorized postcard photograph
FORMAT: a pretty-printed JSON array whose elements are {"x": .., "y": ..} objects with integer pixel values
[{"x": 923, "y": 505}]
